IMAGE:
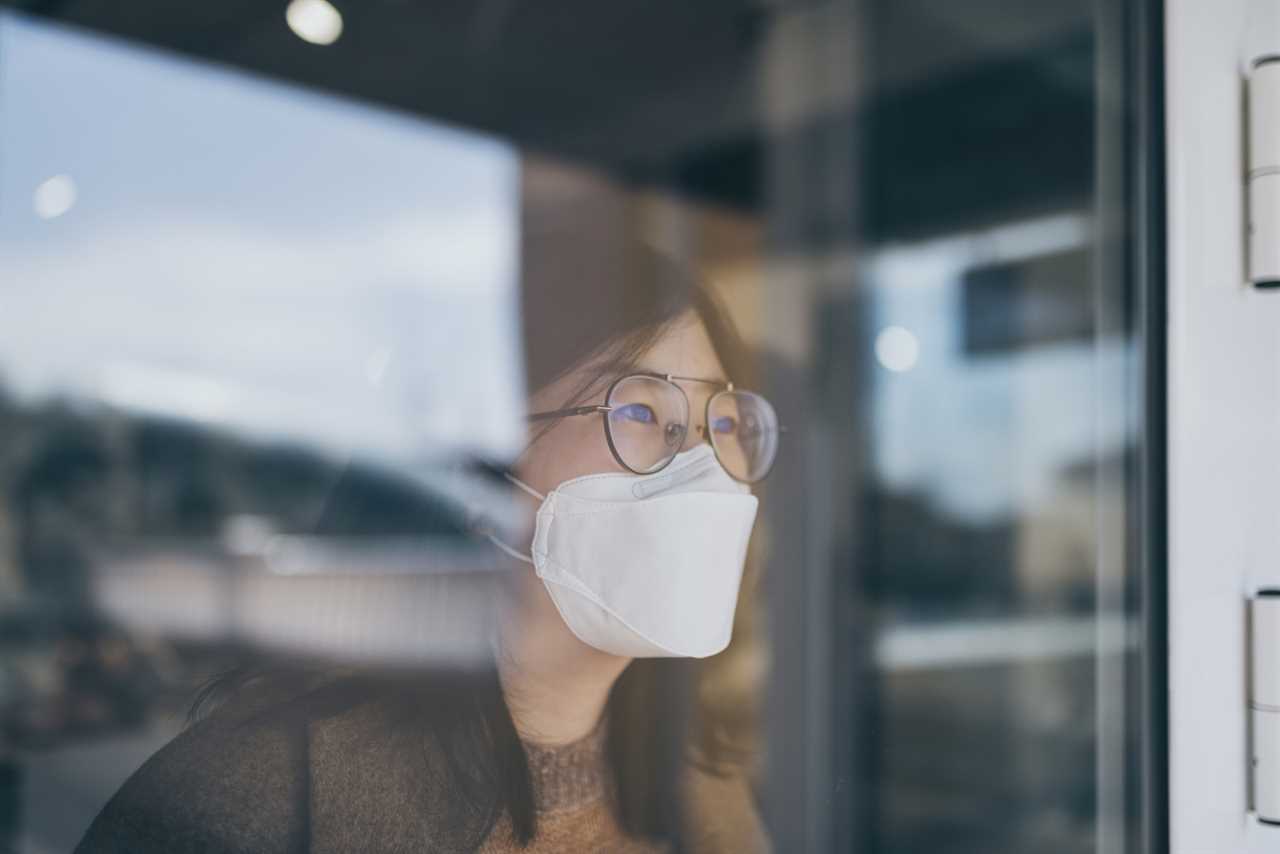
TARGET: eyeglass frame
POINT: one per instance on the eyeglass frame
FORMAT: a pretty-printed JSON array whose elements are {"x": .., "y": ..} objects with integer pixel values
[{"x": 704, "y": 430}]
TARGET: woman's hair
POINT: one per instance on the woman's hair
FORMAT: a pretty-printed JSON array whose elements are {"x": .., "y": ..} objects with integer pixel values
[
  {"x": 601, "y": 305},
  {"x": 606, "y": 310}
]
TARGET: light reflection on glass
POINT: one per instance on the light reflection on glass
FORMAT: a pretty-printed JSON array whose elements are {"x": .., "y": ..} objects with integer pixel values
[
  {"x": 897, "y": 349},
  {"x": 54, "y": 197}
]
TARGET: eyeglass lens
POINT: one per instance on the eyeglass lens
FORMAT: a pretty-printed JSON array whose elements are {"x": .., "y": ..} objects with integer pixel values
[
  {"x": 647, "y": 422},
  {"x": 744, "y": 431}
]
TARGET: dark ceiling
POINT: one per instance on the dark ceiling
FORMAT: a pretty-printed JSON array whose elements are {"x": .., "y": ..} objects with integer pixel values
[
  {"x": 975, "y": 111},
  {"x": 576, "y": 77}
]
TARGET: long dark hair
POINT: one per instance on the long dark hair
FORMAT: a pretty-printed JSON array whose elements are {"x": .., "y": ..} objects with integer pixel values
[{"x": 603, "y": 304}]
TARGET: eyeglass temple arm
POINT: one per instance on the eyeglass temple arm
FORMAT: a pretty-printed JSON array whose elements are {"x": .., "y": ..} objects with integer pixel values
[{"x": 567, "y": 413}]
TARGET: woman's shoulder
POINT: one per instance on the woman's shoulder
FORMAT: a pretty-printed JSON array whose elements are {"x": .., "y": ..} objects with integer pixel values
[
  {"x": 228, "y": 783},
  {"x": 321, "y": 771},
  {"x": 722, "y": 811}
]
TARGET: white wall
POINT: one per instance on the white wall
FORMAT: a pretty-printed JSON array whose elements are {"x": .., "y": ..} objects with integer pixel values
[{"x": 1224, "y": 436}]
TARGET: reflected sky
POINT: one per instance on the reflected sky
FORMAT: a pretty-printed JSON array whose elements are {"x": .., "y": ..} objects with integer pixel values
[{"x": 249, "y": 255}]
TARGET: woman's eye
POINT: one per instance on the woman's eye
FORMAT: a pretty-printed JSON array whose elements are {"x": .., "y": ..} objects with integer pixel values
[
  {"x": 724, "y": 424},
  {"x": 638, "y": 412},
  {"x": 675, "y": 434}
]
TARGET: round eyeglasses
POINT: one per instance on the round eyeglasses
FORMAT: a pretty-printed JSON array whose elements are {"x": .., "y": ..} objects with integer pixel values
[{"x": 646, "y": 420}]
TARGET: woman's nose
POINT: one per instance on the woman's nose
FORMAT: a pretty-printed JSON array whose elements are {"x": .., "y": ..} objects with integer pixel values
[{"x": 696, "y": 435}]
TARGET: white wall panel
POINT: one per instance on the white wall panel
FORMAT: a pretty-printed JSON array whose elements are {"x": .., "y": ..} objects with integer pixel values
[{"x": 1224, "y": 433}]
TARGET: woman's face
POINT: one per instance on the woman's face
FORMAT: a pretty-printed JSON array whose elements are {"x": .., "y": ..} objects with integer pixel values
[{"x": 576, "y": 446}]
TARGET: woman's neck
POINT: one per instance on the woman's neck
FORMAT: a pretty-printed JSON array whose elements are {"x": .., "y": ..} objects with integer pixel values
[{"x": 555, "y": 685}]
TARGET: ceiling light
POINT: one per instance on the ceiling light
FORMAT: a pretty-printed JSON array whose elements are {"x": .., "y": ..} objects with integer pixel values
[{"x": 314, "y": 21}]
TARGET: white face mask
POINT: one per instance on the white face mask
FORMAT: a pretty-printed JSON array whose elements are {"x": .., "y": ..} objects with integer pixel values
[{"x": 646, "y": 565}]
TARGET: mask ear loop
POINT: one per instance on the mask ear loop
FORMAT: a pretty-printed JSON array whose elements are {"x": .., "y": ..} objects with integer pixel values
[
  {"x": 510, "y": 551},
  {"x": 503, "y": 547},
  {"x": 524, "y": 486}
]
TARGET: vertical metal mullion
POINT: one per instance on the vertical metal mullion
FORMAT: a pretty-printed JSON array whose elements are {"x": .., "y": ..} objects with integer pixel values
[
  {"x": 1113, "y": 414},
  {"x": 1129, "y": 277},
  {"x": 816, "y": 730},
  {"x": 1149, "y": 269}
]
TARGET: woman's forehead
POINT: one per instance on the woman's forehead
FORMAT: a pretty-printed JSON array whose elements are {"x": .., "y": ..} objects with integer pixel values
[{"x": 685, "y": 351}]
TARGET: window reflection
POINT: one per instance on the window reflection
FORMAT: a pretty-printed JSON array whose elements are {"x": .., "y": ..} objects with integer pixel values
[
  {"x": 983, "y": 536},
  {"x": 254, "y": 346}
]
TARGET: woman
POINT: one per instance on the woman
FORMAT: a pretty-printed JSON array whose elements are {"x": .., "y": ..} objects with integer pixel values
[{"x": 638, "y": 467}]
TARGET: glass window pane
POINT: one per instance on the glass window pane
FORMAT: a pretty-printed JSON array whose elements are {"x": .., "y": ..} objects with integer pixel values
[{"x": 281, "y": 286}]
